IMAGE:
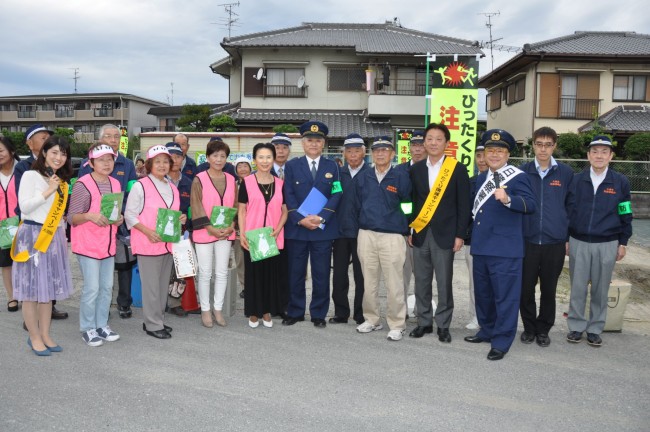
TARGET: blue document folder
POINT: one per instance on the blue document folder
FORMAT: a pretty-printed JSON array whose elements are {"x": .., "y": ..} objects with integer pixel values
[{"x": 313, "y": 204}]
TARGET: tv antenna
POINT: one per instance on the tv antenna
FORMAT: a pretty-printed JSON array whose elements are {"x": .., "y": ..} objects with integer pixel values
[
  {"x": 75, "y": 77},
  {"x": 229, "y": 22},
  {"x": 491, "y": 44},
  {"x": 172, "y": 87}
]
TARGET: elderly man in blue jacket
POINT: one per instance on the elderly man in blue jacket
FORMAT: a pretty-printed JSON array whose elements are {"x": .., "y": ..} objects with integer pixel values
[
  {"x": 600, "y": 225},
  {"x": 545, "y": 232},
  {"x": 503, "y": 196}
]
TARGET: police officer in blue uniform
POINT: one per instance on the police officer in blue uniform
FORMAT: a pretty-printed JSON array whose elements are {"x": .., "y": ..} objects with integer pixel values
[
  {"x": 310, "y": 236},
  {"x": 503, "y": 195}
]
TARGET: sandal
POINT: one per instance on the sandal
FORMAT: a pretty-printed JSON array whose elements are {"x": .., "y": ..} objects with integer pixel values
[{"x": 12, "y": 308}]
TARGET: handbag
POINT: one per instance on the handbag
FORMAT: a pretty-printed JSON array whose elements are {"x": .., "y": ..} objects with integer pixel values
[{"x": 176, "y": 285}]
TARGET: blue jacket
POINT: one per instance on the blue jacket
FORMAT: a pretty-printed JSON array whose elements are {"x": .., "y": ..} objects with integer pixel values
[
  {"x": 594, "y": 218},
  {"x": 377, "y": 206},
  {"x": 498, "y": 230},
  {"x": 189, "y": 170},
  {"x": 348, "y": 221},
  {"x": 298, "y": 182},
  {"x": 550, "y": 223}
]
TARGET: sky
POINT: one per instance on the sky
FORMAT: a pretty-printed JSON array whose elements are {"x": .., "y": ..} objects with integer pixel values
[{"x": 148, "y": 48}]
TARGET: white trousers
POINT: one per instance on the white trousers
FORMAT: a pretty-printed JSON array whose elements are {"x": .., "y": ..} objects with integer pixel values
[{"x": 212, "y": 258}]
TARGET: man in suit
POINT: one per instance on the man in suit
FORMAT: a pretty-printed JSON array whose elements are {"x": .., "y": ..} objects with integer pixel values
[
  {"x": 345, "y": 247},
  {"x": 503, "y": 196},
  {"x": 188, "y": 167},
  {"x": 282, "y": 144},
  {"x": 309, "y": 236},
  {"x": 439, "y": 221}
]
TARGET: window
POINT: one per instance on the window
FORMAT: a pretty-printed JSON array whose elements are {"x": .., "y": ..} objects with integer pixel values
[
  {"x": 494, "y": 100},
  {"x": 64, "y": 110},
  {"x": 516, "y": 91},
  {"x": 26, "y": 111},
  {"x": 630, "y": 88},
  {"x": 103, "y": 110},
  {"x": 571, "y": 96},
  {"x": 284, "y": 82},
  {"x": 349, "y": 79}
]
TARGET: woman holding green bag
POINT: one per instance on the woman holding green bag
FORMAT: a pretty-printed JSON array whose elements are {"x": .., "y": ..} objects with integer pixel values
[
  {"x": 152, "y": 215},
  {"x": 261, "y": 204},
  {"x": 8, "y": 203}
]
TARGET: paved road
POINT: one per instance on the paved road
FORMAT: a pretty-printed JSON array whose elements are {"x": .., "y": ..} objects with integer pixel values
[{"x": 305, "y": 379}]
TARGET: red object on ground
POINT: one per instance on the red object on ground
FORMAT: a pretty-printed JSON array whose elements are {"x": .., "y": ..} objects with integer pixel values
[{"x": 188, "y": 300}]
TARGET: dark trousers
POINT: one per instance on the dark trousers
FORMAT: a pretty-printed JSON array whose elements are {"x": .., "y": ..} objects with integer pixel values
[
  {"x": 543, "y": 262},
  {"x": 319, "y": 254},
  {"x": 124, "y": 277},
  {"x": 496, "y": 290},
  {"x": 343, "y": 249}
]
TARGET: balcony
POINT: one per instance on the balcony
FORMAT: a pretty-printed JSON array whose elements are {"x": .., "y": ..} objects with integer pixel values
[
  {"x": 26, "y": 114},
  {"x": 290, "y": 91},
  {"x": 402, "y": 87},
  {"x": 103, "y": 112},
  {"x": 67, "y": 113},
  {"x": 579, "y": 109}
]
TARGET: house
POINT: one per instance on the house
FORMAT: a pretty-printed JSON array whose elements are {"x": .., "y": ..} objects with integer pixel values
[
  {"x": 83, "y": 112},
  {"x": 567, "y": 82},
  {"x": 363, "y": 78},
  {"x": 166, "y": 117}
]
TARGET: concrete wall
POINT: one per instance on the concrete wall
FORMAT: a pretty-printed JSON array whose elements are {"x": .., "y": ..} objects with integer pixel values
[{"x": 641, "y": 206}]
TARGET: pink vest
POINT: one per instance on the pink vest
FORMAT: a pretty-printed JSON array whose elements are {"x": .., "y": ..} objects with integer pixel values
[
  {"x": 88, "y": 239},
  {"x": 8, "y": 199},
  {"x": 212, "y": 198},
  {"x": 256, "y": 208},
  {"x": 140, "y": 244}
]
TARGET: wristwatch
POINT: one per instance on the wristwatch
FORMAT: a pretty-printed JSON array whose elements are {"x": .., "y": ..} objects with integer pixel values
[{"x": 322, "y": 221}]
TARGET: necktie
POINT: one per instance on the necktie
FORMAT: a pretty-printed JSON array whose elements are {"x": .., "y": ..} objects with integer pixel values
[
  {"x": 281, "y": 173},
  {"x": 313, "y": 170}
]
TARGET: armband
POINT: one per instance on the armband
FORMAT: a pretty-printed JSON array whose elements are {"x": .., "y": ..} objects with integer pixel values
[
  {"x": 129, "y": 185},
  {"x": 624, "y": 208},
  {"x": 73, "y": 180},
  {"x": 407, "y": 208},
  {"x": 336, "y": 187}
]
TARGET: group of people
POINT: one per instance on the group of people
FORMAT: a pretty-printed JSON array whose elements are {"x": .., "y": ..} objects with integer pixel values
[{"x": 389, "y": 222}]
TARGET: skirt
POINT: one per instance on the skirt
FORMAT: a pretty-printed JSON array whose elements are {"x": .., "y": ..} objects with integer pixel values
[
  {"x": 44, "y": 276},
  {"x": 265, "y": 288}
]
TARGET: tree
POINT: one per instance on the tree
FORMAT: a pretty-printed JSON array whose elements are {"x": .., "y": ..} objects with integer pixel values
[
  {"x": 223, "y": 123},
  {"x": 637, "y": 147},
  {"x": 18, "y": 138},
  {"x": 571, "y": 146},
  {"x": 285, "y": 128},
  {"x": 194, "y": 118}
]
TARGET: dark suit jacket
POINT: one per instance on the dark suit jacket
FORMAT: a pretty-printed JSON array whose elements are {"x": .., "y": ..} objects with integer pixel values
[
  {"x": 298, "y": 182},
  {"x": 453, "y": 212}
]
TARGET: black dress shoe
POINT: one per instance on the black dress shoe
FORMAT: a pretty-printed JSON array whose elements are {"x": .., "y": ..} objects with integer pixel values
[
  {"x": 319, "y": 322},
  {"x": 57, "y": 314},
  {"x": 125, "y": 311},
  {"x": 419, "y": 331},
  {"x": 166, "y": 328},
  {"x": 527, "y": 338},
  {"x": 159, "y": 334},
  {"x": 543, "y": 340},
  {"x": 474, "y": 339},
  {"x": 178, "y": 311},
  {"x": 338, "y": 320},
  {"x": 444, "y": 335},
  {"x": 495, "y": 354},
  {"x": 291, "y": 320}
]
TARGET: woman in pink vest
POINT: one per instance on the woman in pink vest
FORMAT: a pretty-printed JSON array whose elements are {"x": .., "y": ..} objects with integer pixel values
[
  {"x": 261, "y": 204},
  {"x": 93, "y": 237},
  {"x": 8, "y": 204},
  {"x": 149, "y": 194},
  {"x": 211, "y": 188}
]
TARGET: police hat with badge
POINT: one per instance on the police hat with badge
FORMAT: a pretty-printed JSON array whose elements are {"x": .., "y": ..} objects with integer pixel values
[
  {"x": 498, "y": 138},
  {"x": 314, "y": 128},
  {"x": 417, "y": 138},
  {"x": 382, "y": 142},
  {"x": 174, "y": 148},
  {"x": 280, "y": 138},
  {"x": 353, "y": 140},
  {"x": 601, "y": 140}
]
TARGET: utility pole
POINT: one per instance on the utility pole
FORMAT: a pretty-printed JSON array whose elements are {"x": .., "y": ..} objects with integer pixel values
[
  {"x": 76, "y": 77},
  {"x": 489, "y": 16}
]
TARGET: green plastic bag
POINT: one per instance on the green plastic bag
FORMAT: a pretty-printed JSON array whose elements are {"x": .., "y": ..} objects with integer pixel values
[
  {"x": 222, "y": 217},
  {"x": 168, "y": 225},
  {"x": 8, "y": 228},
  {"x": 111, "y": 206},
  {"x": 261, "y": 244}
]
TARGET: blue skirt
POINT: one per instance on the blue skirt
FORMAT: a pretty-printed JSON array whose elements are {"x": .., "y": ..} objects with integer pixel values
[{"x": 44, "y": 276}]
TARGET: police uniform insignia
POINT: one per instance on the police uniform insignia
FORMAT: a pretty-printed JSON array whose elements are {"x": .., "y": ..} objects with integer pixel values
[
  {"x": 328, "y": 175},
  {"x": 314, "y": 128},
  {"x": 496, "y": 136}
]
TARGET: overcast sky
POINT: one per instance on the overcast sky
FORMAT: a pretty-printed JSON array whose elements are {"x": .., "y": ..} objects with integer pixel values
[{"x": 141, "y": 47}]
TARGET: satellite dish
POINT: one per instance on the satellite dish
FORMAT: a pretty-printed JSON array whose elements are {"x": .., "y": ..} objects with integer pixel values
[
  {"x": 301, "y": 81},
  {"x": 259, "y": 74}
]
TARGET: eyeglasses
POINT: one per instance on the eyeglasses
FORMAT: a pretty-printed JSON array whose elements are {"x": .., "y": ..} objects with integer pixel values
[
  {"x": 499, "y": 151},
  {"x": 539, "y": 144}
]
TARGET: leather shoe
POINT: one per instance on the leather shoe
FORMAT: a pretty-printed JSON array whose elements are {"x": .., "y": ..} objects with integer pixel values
[
  {"x": 419, "y": 331},
  {"x": 178, "y": 311},
  {"x": 166, "y": 328},
  {"x": 543, "y": 340},
  {"x": 338, "y": 320},
  {"x": 159, "y": 334},
  {"x": 320, "y": 323},
  {"x": 291, "y": 320},
  {"x": 444, "y": 335},
  {"x": 495, "y": 354},
  {"x": 474, "y": 339},
  {"x": 57, "y": 314},
  {"x": 527, "y": 338}
]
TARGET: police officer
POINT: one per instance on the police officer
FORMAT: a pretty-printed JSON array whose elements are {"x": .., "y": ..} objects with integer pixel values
[
  {"x": 312, "y": 225},
  {"x": 282, "y": 144},
  {"x": 503, "y": 196}
]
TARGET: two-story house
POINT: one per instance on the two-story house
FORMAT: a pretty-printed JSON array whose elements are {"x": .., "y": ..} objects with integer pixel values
[
  {"x": 363, "y": 78},
  {"x": 567, "y": 82}
]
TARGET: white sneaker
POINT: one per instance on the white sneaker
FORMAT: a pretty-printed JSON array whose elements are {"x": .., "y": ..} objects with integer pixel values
[
  {"x": 107, "y": 334},
  {"x": 367, "y": 327},
  {"x": 395, "y": 335},
  {"x": 473, "y": 325},
  {"x": 92, "y": 338}
]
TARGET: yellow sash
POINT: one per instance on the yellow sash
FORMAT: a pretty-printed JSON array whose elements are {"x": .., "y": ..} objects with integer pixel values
[
  {"x": 49, "y": 227},
  {"x": 436, "y": 193}
]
